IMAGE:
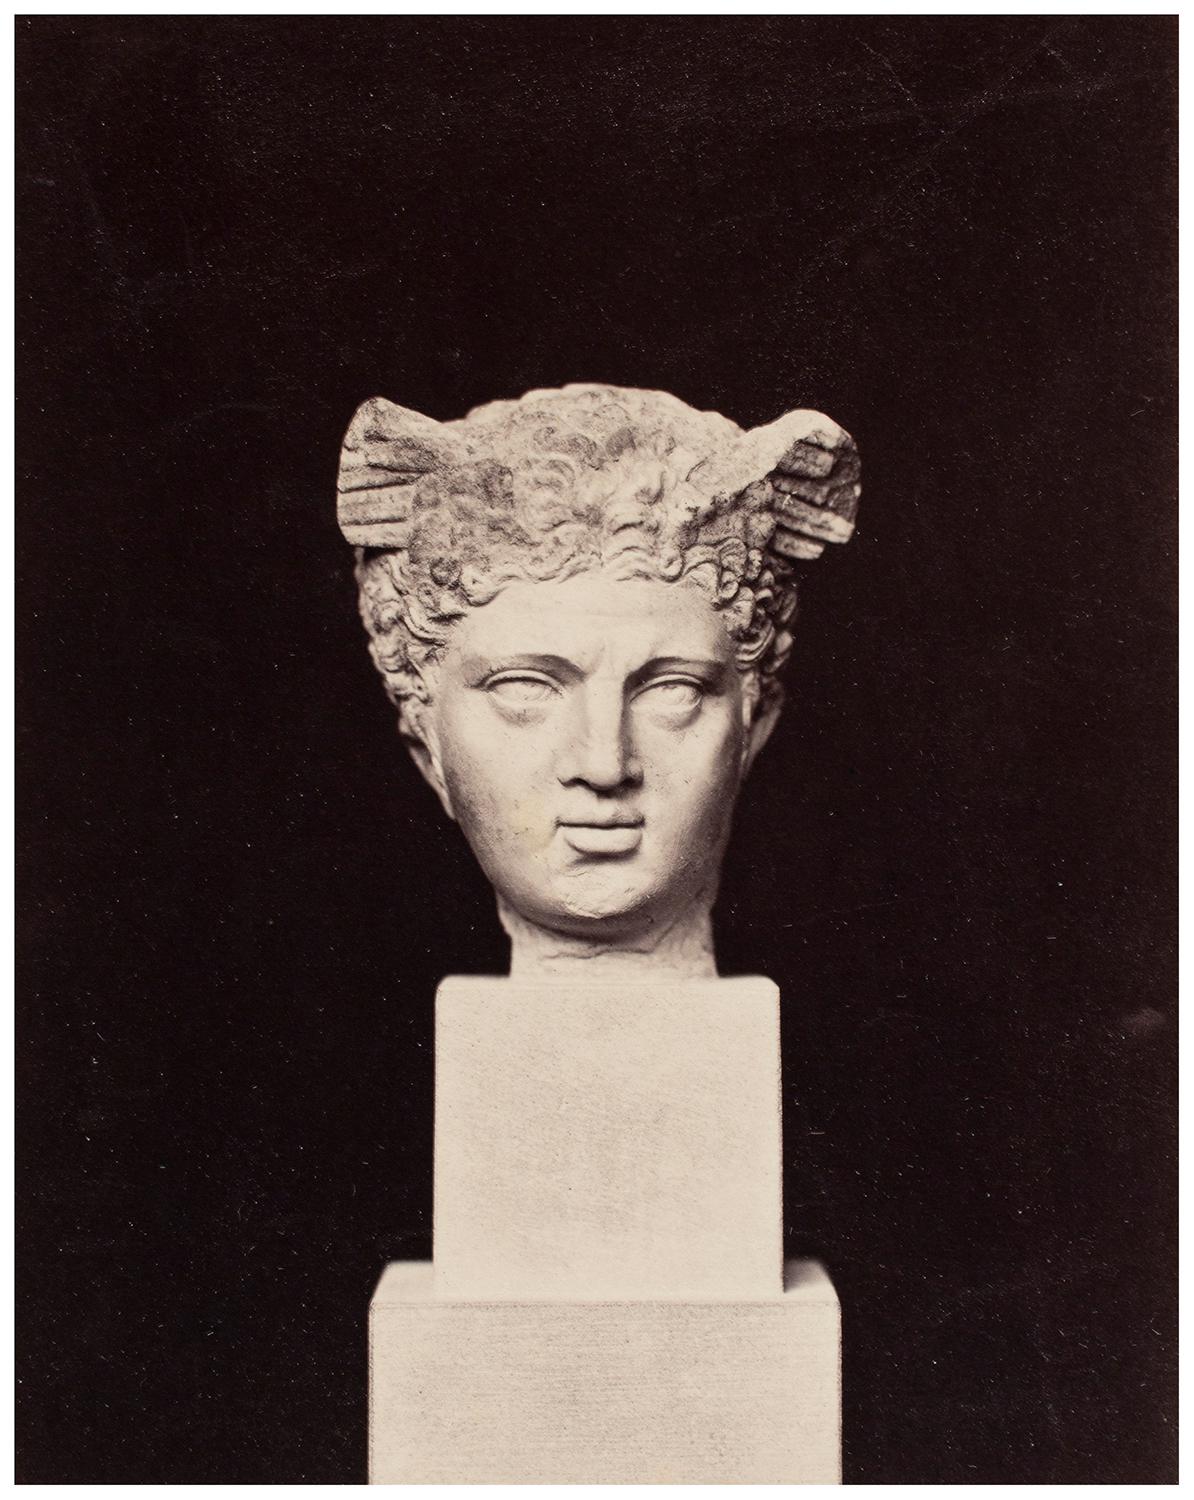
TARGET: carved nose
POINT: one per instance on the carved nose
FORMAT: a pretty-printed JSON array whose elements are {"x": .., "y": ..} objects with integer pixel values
[{"x": 598, "y": 753}]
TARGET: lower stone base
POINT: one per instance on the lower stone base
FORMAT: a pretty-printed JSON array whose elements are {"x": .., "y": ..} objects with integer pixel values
[{"x": 604, "y": 1392}]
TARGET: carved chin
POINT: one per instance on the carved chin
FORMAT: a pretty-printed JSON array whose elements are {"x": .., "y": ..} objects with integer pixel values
[
  {"x": 593, "y": 898},
  {"x": 613, "y": 896}
]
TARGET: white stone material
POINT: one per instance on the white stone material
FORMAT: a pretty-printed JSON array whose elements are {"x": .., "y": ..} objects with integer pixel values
[
  {"x": 699, "y": 1392},
  {"x": 600, "y": 1141},
  {"x": 580, "y": 604}
]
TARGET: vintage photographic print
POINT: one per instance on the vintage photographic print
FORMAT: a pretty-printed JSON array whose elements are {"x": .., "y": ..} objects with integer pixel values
[{"x": 595, "y": 749}]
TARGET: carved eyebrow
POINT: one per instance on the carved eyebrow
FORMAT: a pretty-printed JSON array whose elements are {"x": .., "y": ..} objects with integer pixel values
[
  {"x": 709, "y": 670},
  {"x": 480, "y": 667}
]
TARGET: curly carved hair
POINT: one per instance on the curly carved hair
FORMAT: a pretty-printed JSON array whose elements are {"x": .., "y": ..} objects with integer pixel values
[{"x": 445, "y": 515}]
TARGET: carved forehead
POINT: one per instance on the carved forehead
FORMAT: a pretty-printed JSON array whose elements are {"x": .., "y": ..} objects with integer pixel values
[{"x": 596, "y": 622}]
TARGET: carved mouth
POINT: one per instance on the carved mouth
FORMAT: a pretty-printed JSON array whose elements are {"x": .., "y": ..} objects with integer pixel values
[{"x": 603, "y": 838}]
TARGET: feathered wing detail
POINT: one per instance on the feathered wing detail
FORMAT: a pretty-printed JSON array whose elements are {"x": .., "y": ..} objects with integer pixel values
[
  {"x": 448, "y": 514},
  {"x": 387, "y": 450},
  {"x": 812, "y": 466}
]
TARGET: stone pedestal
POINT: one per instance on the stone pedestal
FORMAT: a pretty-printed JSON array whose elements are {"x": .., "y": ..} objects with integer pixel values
[
  {"x": 598, "y": 1142},
  {"x": 659, "y": 1392},
  {"x": 608, "y": 1302}
]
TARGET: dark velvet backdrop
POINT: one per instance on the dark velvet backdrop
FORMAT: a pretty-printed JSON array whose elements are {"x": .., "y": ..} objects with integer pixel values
[{"x": 953, "y": 234}]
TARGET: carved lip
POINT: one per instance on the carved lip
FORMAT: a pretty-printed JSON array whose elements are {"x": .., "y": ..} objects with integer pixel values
[
  {"x": 603, "y": 838},
  {"x": 626, "y": 820}
]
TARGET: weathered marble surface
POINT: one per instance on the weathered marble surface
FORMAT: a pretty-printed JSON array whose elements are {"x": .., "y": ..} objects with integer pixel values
[{"x": 580, "y": 603}]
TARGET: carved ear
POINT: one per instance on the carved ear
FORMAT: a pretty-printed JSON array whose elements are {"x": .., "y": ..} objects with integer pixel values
[
  {"x": 759, "y": 731},
  {"x": 425, "y": 754},
  {"x": 813, "y": 467},
  {"x": 386, "y": 451}
]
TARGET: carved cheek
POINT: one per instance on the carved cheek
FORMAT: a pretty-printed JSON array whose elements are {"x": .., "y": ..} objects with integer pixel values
[
  {"x": 497, "y": 776},
  {"x": 698, "y": 766}
]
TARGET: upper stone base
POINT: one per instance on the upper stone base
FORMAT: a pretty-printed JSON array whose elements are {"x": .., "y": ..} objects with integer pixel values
[{"x": 600, "y": 1141}]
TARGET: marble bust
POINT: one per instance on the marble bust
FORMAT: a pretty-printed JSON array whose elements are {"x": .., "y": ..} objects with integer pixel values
[{"x": 580, "y": 603}]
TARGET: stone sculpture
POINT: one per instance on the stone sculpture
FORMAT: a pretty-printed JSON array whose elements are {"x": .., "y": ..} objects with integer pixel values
[{"x": 580, "y": 603}]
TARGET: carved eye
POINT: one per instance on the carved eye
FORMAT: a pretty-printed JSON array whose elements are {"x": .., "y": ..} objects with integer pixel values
[
  {"x": 674, "y": 694},
  {"x": 521, "y": 692}
]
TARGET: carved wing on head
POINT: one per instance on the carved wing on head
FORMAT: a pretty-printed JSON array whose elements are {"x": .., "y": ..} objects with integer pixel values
[
  {"x": 810, "y": 463},
  {"x": 813, "y": 467},
  {"x": 816, "y": 483},
  {"x": 387, "y": 450}
]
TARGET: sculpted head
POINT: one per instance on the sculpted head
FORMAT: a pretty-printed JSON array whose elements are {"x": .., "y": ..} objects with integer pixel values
[{"x": 580, "y": 604}]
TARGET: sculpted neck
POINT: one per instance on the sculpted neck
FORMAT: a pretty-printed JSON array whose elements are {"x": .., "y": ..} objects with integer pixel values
[{"x": 681, "y": 950}]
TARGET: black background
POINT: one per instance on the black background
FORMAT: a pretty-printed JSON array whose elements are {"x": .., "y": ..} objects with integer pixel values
[{"x": 953, "y": 235}]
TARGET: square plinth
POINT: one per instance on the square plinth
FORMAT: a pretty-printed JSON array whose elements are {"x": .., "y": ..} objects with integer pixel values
[
  {"x": 602, "y": 1141},
  {"x": 667, "y": 1392}
]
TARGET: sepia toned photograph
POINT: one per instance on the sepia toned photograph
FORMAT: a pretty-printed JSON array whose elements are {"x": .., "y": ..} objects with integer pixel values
[{"x": 596, "y": 725}]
